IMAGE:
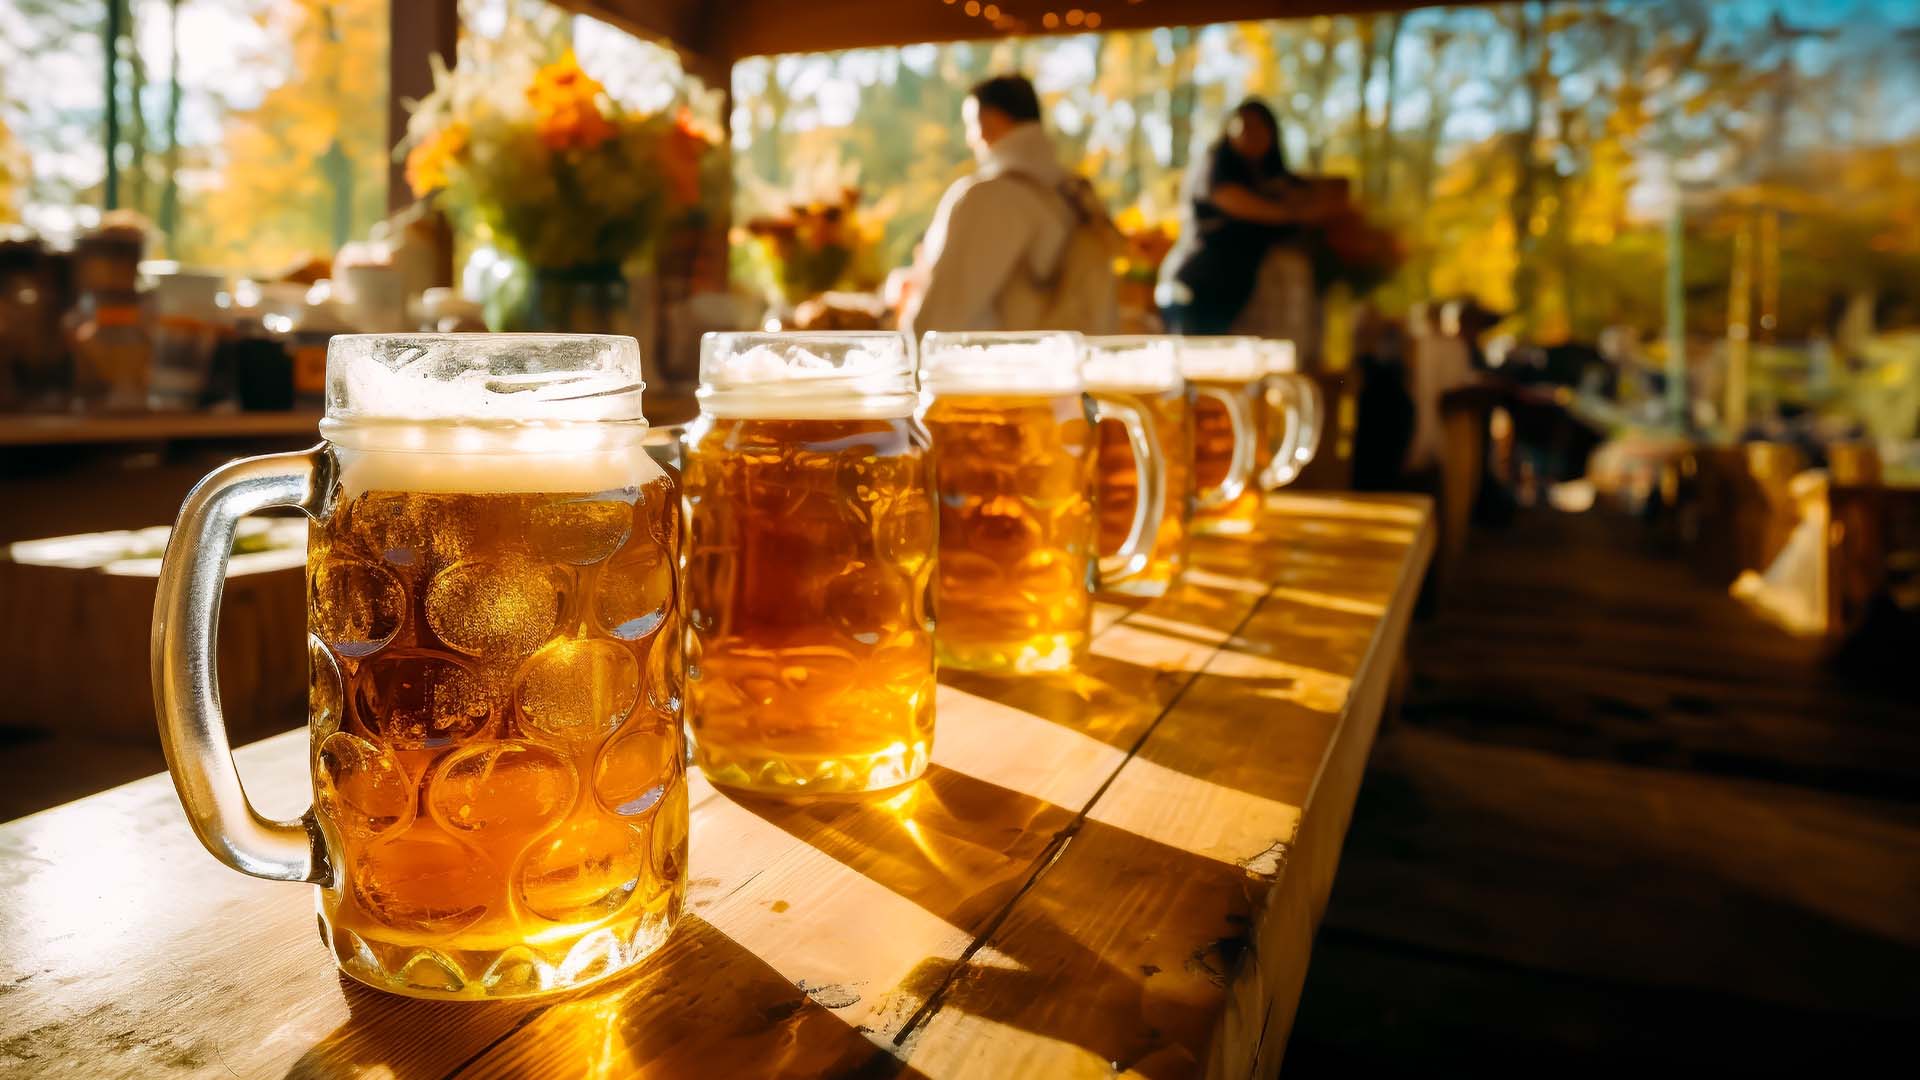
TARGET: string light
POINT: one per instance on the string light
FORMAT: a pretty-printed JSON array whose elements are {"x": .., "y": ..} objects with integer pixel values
[
  {"x": 1093, "y": 20},
  {"x": 1050, "y": 21},
  {"x": 973, "y": 8},
  {"x": 1075, "y": 17}
]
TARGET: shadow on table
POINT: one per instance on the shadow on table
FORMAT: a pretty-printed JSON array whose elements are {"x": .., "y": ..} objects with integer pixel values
[
  {"x": 1092, "y": 935},
  {"x": 702, "y": 1005}
]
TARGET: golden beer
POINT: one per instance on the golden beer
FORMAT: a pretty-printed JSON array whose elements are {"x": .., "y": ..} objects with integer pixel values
[
  {"x": 809, "y": 565},
  {"x": 495, "y": 703},
  {"x": 1014, "y": 475},
  {"x": 809, "y": 562}
]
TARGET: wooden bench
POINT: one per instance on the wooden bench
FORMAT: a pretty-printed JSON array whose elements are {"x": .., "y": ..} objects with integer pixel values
[{"x": 1119, "y": 868}]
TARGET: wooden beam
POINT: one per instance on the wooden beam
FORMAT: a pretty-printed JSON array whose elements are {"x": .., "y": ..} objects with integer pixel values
[
  {"x": 683, "y": 25},
  {"x": 760, "y": 27},
  {"x": 417, "y": 31}
]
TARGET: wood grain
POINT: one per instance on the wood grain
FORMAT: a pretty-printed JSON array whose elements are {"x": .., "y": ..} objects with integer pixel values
[{"x": 1089, "y": 874}]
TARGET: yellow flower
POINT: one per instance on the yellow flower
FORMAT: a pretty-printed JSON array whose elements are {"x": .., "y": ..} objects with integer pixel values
[
  {"x": 566, "y": 104},
  {"x": 428, "y": 161}
]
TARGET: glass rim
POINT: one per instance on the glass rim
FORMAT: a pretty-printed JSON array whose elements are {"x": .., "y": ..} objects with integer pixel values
[
  {"x": 806, "y": 374},
  {"x": 1003, "y": 361},
  {"x": 1245, "y": 355},
  {"x": 484, "y": 378}
]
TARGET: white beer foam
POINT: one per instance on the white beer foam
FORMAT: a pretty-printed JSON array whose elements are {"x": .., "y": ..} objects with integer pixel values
[
  {"x": 1132, "y": 365},
  {"x": 1231, "y": 359},
  {"x": 1013, "y": 368},
  {"x": 453, "y": 377},
  {"x": 1279, "y": 356},
  {"x": 791, "y": 382},
  {"x": 460, "y": 457}
]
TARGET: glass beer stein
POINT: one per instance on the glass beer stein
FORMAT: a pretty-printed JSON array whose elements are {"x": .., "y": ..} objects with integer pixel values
[
  {"x": 1295, "y": 410},
  {"x": 1014, "y": 451},
  {"x": 499, "y": 801},
  {"x": 1144, "y": 372},
  {"x": 809, "y": 564},
  {"x": 1228, "y": 433}
]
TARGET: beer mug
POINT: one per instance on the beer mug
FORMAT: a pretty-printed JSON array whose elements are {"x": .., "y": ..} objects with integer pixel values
[
  {"x": 1145, "y": 373},
  {"x": 499, "y": 801},
  {"x": 810, "y": 544},
  {"x": 1228, "y": 430},
  {"x": 1295, "y": 410},
  {"x": 1013, "y": 457}
]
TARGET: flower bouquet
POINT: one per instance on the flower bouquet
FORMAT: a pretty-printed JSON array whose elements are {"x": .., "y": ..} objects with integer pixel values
[
  {"x": 530, "y": 154},
  {"x": 814, "y": 246}
]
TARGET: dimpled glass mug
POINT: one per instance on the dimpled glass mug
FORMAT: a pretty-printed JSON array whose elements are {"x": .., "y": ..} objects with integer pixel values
[
  {"x": 499, "y": 799},
  {"x": 1144, "y": 371},
  {"x": 1014, "y": 454},
  {"x": 1228, "y": 430},
  {"x": 810, "y": 551},
  {"x": 1295, "y": 411}
]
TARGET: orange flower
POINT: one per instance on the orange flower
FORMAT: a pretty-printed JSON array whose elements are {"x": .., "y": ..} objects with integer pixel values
[
  {"x": 566, "y": 103},
  {"x": 576, "y": 127},
  {"x": 680, "y": 159},
  {"x": 428, "y": 161}
]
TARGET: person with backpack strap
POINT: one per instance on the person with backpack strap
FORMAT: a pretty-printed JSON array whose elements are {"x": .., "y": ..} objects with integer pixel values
[{"x": 1022, "y": 243}]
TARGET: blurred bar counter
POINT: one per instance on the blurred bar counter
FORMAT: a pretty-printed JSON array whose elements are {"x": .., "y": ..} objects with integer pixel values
[{"x": 63, "y": 473}]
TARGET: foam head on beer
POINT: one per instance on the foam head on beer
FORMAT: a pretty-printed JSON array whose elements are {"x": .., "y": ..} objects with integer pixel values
[
  {"x": 806, "y": 376},
  {"x": 1278, "y": 356},
  {"x": 1141, "y": 364},
  {"x": 1040, "y": 363},
  {"x": 485, "y": 412},
  {"x": 1221, "y": 359}
]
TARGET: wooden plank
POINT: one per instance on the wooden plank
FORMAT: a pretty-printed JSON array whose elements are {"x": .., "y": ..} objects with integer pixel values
[
  {"x": 819, "y": 933},
  {"x": 1172, "y": 932}
]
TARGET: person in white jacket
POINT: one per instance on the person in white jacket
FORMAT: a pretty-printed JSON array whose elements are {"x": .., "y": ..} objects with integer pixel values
[{"x": 1008, "y": 218}]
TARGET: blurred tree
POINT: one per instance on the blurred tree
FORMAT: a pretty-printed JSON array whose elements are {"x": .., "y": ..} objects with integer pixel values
[
  {"x": 304, "y": 170},
  {"x": 14, "y": 170}
]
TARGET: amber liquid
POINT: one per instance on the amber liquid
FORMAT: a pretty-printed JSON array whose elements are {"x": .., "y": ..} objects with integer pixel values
[
  {"x": 1117, "y": 489},
  {"x": 496, "y": 688},
  {"x": 1014, "y": 475},
  {"x": 809, "y": 562},
  {"x": 1213, "y": 460}
]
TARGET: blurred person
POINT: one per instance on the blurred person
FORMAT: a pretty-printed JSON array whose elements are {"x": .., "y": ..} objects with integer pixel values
[
  {"x": 1241, "y": 263},
  {"x": 1021, "y": 244}
]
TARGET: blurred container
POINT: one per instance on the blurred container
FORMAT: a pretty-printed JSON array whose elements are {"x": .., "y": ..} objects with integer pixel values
[
  {"x": 373, "y": 298},
  {"x": 445, "y": 311},
  {"x": 112, "y": 350},
  {"x": 320, "y": 317},
  {"x": 258, "y": 357},
  {"x": 188, "y": 325},
  {"x": 33, "y": 369}
]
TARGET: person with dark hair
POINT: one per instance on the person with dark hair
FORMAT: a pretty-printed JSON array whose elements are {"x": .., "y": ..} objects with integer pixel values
[
  {"x": 1241, "y": 203},
  {"x": 1018, "y": 245}
]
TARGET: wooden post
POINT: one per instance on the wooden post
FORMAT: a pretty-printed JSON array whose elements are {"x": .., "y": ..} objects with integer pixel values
[
  {"x": 417, "y": 31},
  {"x": 1739, "y": 328}
]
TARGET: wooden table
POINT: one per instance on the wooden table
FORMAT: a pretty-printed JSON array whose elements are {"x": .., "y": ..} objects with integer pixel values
[{"x": 1121, "y": 869}]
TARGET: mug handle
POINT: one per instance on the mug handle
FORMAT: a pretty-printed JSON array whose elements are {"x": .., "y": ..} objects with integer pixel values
[
  {"x": 1150, "y": 500},
  {"x": 1240, "y": 468},
  {"x": 1284, "y": 405},
  {"x": 186, "y": 685},
  {"x": 1313, "y": 415}
]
